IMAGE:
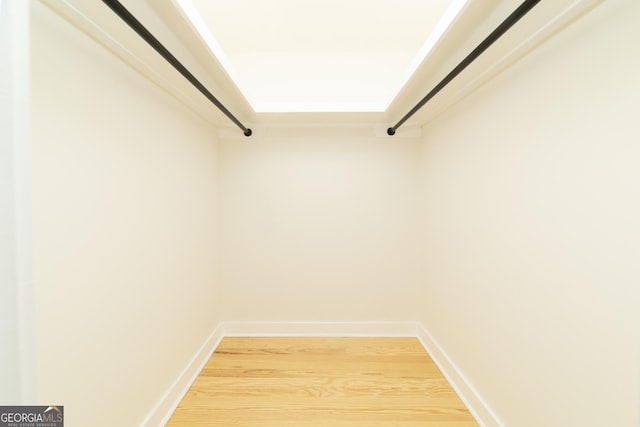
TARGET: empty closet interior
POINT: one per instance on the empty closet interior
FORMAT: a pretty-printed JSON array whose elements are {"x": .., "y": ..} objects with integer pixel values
[{"x": 499, "y": 223}]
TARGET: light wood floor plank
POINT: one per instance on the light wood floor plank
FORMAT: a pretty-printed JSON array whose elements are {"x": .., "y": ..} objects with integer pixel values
[{"x": 342, "y": 382}]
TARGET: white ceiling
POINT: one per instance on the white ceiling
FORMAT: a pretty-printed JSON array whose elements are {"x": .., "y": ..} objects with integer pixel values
[{"x": 320, "y": 55}]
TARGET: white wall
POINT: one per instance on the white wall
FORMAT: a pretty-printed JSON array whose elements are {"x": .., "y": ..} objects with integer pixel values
[
  {"x": 9, "y": 356},
  {"x": 319, "y": 228},
  {"x": 17, "y": 367},
  {"x": 124, "y": 213},
  {"x": 532, "y": 229}
]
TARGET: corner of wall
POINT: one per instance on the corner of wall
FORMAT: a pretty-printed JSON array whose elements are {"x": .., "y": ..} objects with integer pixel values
[
  {"x": 164, "y": 408},
  {"x": 467, "y": 392}
]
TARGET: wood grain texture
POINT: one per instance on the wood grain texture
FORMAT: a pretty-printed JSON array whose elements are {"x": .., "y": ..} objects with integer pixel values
[{"x": 342, "y": 382}]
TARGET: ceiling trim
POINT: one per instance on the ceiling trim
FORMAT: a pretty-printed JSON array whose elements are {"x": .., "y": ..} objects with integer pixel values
[
  {"x": 551, "y": 18},
  {"x": 512, "y": 47}
]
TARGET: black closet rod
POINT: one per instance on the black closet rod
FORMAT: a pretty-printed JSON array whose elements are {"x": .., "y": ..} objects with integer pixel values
[
  {"x": 521, "y": 11},
  {"x": 131, "y": 20}
]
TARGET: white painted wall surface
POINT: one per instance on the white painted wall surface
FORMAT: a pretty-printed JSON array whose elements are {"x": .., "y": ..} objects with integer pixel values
[
  {"x": 532, "y": 229},
  {"x": 124, "y": 213},
  {"x": 9, "y": 326},
  {"x": 319, "y": 225},
  {"x": 17, "y": 367}
]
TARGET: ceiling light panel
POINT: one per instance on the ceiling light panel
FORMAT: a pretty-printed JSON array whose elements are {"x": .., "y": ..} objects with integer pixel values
[{"x": 320, "y": 55}]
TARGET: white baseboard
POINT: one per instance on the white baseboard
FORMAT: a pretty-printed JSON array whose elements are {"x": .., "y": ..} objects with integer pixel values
[
  {"x": 170, "y": 400},
  {"x": 319, "y": 329},
  {"x": 163, "y": 410},
  {"x": 478, "y": 407}
]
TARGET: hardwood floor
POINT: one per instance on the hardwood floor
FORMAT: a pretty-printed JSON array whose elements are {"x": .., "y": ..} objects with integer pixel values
[{"x": 338, "y": 382}]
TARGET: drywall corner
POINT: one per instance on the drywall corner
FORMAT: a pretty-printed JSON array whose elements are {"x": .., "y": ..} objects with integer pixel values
[
  {"x": 162, "y": 411},
  {"x": 469, "y": 395}
]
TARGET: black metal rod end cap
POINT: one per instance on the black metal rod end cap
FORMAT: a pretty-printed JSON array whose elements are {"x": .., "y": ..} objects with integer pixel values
[
  {"x": 248, "y": 132},
  {"x": 391, "y": 131}
]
